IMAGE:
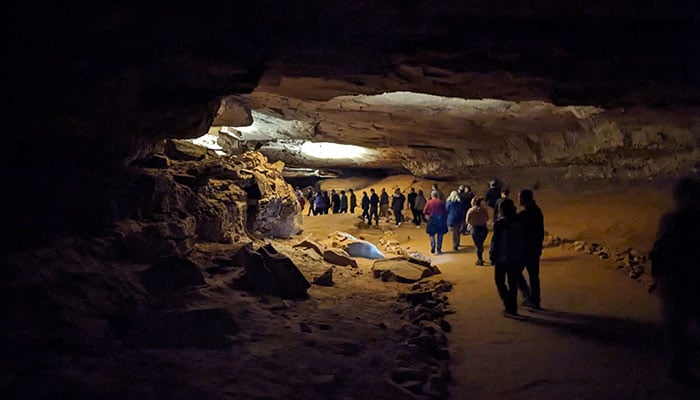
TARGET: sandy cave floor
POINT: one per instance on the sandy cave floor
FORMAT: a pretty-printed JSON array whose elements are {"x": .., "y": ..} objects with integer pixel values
[{"x": 598, "y": 334}]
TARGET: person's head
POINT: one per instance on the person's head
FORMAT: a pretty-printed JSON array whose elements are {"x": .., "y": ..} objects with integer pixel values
[
  {"x": 493, "y": 183},
  {"x": 467, "y": 188},
  {"x": 686, "y": 194},
  {"x": 505, "y": 193},
  {"x": 371, "y": 190},
  {"x": 434, "y": 194},
  {"x": 332, "y": 190},
  {"x": 364, "y": 193},
  {"x": 454, "y": 196},
  {"x": 383, "y": 190},
  {"x": 420, "y": 192},
  {"x": 435, "y": 186},
  {"x": 476, "y": 201},
  {"x": 506, "y": 209},
  {"x": 412, "y": 190},
  {"x": 351, "y": 191},
  {"x": 342, "y": 192},
  {"x": 460, "y": 188},
  {"x": 526, "y": 197}
]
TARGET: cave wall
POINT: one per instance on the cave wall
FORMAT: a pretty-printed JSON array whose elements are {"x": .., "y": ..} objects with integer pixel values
[{"x": 93, "y": 87}]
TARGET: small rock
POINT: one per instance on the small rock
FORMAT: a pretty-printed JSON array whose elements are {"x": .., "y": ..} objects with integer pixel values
[
  {"x": 304, "y": 327},
  {"x": 326, "y": 279}
]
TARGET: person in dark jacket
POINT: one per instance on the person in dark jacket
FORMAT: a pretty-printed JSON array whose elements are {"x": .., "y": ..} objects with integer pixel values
[
  {"x": 326, "y": 202},
  {"x": 373, "y": 207},
  {"x": 365, "y": 207},
  {"x": 492, "y": 195},
  {"x": 353, "y": 201},
  {"x": 532, "y": 222},
  {"x": 397, "y": 203},
  {"x": 676, "y": 269},
  {"x": 335, "y": 202},
  {"x": 505, "y": 196},
  {"x": 310, "y": 198},
  {"x": 454, "y": 218},
  {"x": 418, "y": 208},
  {"x": 465, "y": 197},
  {"x": 343, "y": 202},
  {"x": 384, "y": 204},
  {"x": 411, "y": 202},
  {"x": 506, "y": 256}
]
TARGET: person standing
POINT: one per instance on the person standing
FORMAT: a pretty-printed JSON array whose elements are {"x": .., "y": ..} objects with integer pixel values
[
  {"x": 384, "y": 204},
  {"x": 365, "y": 208},
  {"x": 437, "y": 221},
  {"x": 506, "y": 255},
  {"x": 343, "y": 202},
  {"x": 411, "y": 202},
  {"x": 397, "y": 203},
  {"x": 477, "y": 219},
  {"x": 454, "y": 218},
  {"x": 353, "y": 201},
  {"x": 326, "y": 202},
  {"x": 418, "y": 208},
  {"x": 335, "y": 201},
  {"x": 318, "y": 203},
  {"x": 373, "y": 207},
  {"x": 676, "y": 269},
  {"x": 492, "y": 195},
  {"x": 532, "y": 223},
  {"x": 310, "y": 198},
  {"x": 465, "y": 197},
  {"x": 505, "y": 196},
  {"x": 435, "y": 188}
]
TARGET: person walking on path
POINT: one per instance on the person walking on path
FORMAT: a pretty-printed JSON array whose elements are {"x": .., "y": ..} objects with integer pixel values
[
  {"x": 505, "y": 196},
  {"x": 506, "y": 256},
  {"x": 384, "y": 204},
  {"x": 343, "y": 202},
  {"x": 492, "y": 195},
  {"x": 310, "y": 195},
  {"x": 477, "y": 220},
  {"x": 353, "y": 201},
  {"x": 373, "y": 207},
  {"x": 411, "y": 202},
  {"x": 397, "y": 202},
  {"x": 676, "y": 269},
  {"x": 335, "y": 202},
  {"x": 437, "y": 221},
  {"x": 365, "y": 207},
  {"x": 465, "y": 197},
  {"x": 454, "y": 218},
  {"x": 418, "y": 206},
  {"x": 435, "y": 189},
  {"x": 532, "y": 223}
]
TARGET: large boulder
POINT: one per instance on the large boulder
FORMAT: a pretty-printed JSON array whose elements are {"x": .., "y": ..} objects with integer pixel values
[{"x": 269, "y": 272}]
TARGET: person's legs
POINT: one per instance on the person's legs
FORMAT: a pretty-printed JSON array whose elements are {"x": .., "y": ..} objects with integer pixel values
[
  {"x": 479, "y": 236},
  {"x": 499, "y": 277},
  {"x": 511, "y": 301},
  {"x": 455, "y": 237},
  {"x": 533, "y": 274},
  {"x": 439, "y": 243},
  {"x": 432, "y": 243}
]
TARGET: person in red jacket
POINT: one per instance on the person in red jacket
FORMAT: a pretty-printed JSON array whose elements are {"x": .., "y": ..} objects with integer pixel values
[{"x": 436, "y": 212}]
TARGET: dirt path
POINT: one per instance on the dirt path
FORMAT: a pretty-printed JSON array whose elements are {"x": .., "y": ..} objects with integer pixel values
[{"x": 597, "y": 337}]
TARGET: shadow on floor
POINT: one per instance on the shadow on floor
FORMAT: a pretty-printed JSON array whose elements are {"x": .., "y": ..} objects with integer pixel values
[{"x": 624, "y": 332}]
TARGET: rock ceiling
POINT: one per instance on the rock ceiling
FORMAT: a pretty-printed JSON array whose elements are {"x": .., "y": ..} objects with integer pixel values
[{"x": 440, "y": 89}]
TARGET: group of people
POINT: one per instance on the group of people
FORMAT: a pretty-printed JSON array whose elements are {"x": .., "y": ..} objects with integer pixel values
[
  {"x": 320, "y": 202},
  {"x": 517, "y": 239}
]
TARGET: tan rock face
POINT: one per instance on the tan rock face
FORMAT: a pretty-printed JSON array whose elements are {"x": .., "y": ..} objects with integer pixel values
[{"x": 439, "y": 131}]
